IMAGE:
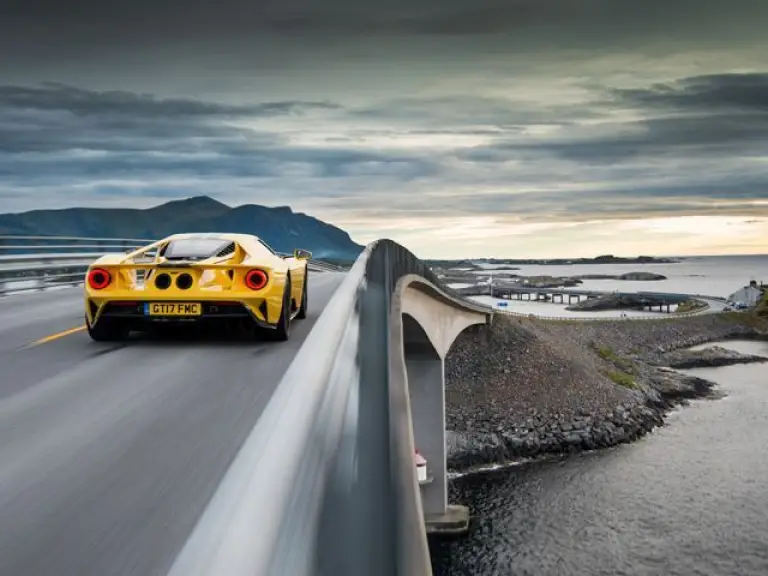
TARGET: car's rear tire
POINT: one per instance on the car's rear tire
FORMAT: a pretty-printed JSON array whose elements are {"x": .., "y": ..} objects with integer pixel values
[
  {"x": 283, "y": 330},
  {"x": 303, "y": 308},
  {"x": 107, "y": 330}
]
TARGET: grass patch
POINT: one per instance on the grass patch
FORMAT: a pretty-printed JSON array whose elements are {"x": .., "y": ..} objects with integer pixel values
[
  {"x": 762, "y": 308},
  {"x": 622, "y": 379},
  {"x": 755, "y": 319},
  {"x": 607, "y": 353},
  {"x": 690, "y": 306}
]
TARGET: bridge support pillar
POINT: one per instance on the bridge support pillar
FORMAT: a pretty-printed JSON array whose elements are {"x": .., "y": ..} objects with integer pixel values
[
  {"x": 427, "y": 390},
  {"x": 429, "y": 328},
  {"x": 425, "y": 371}
]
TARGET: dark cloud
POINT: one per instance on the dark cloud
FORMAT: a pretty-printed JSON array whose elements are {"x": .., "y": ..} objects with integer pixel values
[
  {"x": 718, "y": 115},
  {"x": 212, "y": 162},
  {"x": 659, "y": 137},
  {"x": 276, "y": 33},
  {"x": 54, "y": 96},
  {"x": 63, "y": 132},
  {"x": 714, "y": 93},
  {"x": 418, "y": 17},
  {"x": 59, "y": 134}
]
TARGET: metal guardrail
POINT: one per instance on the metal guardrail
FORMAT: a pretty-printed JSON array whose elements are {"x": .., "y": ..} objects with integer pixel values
[
  {"x": 340, "y": 497},
  {"x": 32, "y": 263}
]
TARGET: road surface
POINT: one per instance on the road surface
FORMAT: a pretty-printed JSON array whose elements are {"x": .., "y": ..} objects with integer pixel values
[{"x": 110, "y": 452}]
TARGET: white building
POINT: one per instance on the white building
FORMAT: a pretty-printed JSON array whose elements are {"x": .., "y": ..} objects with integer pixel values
[{"x": 749, "y": 295}]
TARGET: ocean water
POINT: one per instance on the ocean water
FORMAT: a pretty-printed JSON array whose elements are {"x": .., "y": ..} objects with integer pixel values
[
  {"x": 690, "y": 499},
  {"x": 710, "y": 275},
  {"x": 718, "y": 276}
]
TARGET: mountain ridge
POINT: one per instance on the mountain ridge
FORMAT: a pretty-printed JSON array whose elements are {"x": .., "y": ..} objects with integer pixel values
[{"x": 280, "y": 227}]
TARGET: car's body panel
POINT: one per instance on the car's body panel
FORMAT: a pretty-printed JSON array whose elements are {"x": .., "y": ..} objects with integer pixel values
[{"x": 218, "y": 278}]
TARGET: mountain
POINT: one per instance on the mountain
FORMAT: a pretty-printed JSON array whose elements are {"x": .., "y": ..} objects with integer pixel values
[{"x": 280, "y": 227}]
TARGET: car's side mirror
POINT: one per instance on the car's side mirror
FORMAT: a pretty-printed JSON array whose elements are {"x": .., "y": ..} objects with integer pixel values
[{"x": 302, "y": 254}]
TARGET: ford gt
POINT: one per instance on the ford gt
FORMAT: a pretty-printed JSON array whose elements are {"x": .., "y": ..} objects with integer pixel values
[{"x": 197, "y": 279}]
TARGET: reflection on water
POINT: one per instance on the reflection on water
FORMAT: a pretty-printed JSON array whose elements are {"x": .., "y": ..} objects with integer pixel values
[{"x": 689, "y": 499}]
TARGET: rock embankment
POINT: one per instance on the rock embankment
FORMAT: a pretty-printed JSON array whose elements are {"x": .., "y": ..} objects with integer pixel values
[
  {"x": 707, "y": 358},
  {"x": 527, "y": 387},
  {"x": 607, "y": 302}
]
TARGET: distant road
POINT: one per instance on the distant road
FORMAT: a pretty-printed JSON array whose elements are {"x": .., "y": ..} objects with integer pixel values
[{"x": 550, "y": 310}]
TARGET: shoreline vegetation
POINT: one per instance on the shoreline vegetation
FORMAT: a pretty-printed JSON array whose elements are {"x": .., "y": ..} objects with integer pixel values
[{"x": 527, "y": 388}]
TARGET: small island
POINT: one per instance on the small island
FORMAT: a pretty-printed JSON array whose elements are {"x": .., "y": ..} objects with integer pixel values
[
  {"x": 603, "y": 259},
  {"x": 634, "y": 302},
  {"x": 635, "y": 276}
]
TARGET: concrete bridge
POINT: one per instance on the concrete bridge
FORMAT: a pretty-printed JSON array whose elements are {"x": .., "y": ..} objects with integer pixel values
[
  {"x": 650, "y": 300},
  {"x": 217, "y": 458}
]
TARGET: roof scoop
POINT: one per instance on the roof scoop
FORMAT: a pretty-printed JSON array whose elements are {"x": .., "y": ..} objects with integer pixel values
[{"x": 195, "y": 249}]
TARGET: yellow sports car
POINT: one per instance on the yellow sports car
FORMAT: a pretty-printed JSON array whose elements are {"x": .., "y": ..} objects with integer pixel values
[{"x": 195, "y": 278}]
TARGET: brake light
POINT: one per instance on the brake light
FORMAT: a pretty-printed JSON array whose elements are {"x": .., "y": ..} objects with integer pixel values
[
  {"x": 98, "y": 278},
  {"x": 256, "y": 279}
]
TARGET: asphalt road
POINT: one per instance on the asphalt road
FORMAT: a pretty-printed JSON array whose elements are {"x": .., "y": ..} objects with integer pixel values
[{"x": 110, "y": 452}]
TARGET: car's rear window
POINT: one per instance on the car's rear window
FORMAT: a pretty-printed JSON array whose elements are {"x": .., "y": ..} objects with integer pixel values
[{"x": 195, "y": 247}]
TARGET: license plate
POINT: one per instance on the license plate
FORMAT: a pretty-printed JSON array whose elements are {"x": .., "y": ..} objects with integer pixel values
[{"x": 172, "y": 309}]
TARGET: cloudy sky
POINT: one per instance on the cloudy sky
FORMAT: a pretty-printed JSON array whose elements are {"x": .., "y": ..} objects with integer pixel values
[{"x": 526, "y": 128}]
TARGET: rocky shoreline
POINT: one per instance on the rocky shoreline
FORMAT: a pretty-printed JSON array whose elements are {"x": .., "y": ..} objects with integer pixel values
[
  {"x": 709, "y": 358},
  {"x": 527, "y": 388}
]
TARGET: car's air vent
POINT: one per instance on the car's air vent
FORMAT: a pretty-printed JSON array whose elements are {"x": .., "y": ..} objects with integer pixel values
[
  {"x": 163, "y": 281},
  {"x": 226, "y": 251},
  {"x": 185, "y": 258},
  {"x": 184, "y": 281}
]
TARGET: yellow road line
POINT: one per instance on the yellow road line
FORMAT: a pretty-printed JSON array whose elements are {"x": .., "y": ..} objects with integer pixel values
[{"x": 59, "y": 335}]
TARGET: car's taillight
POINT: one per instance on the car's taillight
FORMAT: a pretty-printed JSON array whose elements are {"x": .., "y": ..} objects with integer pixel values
[
  {"x": 256, "y": 279},
  {"x": 98, "y": 278}
]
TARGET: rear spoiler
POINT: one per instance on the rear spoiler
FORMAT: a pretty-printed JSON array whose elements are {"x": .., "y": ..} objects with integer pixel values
[
  {"x": 142, "y": 252},
  {"x": 199, "y": 265}
]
